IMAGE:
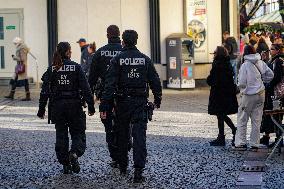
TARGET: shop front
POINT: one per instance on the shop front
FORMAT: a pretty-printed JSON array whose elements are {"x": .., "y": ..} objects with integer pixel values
[{"x": 45, "y": 22}]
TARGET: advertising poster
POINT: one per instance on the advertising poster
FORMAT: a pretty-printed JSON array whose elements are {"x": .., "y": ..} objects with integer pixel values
[{"x": 196, "y": 26}]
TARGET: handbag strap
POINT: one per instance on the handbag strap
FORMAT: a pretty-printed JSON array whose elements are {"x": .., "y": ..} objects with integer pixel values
[{"x": 258, "y": 71}]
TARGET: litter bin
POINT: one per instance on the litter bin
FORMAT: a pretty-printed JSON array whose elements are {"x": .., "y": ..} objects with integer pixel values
[{"x": 180, "y": 61}]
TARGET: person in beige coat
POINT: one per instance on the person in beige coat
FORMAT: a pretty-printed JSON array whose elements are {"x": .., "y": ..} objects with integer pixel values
[{"x": 20, "y": 78}]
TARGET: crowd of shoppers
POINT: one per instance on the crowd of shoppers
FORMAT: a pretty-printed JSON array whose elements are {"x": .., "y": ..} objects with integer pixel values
[{"x": 261, "y": 70}]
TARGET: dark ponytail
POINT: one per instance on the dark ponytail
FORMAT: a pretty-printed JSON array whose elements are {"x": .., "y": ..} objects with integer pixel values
[{"x": 60, "y": 54}]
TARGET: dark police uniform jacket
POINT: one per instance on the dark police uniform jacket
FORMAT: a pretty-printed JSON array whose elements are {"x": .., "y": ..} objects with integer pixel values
[
  {"x": 66, "y": 83},
  {"x": 130, "y": 73},
  {"x": 101, "y": 61}
]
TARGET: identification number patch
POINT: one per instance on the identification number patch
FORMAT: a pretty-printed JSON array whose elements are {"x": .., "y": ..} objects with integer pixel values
[
  {"x": 133, "y": 73},
  {"x": 63, "y": 80}
]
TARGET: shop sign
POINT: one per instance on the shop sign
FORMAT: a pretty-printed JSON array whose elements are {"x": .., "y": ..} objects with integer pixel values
[
  {"x": 10, "y": 27},
  {"x": 196, "y": 28},
  {"x": 174, "y": 82},
  {"x": 188, "y": 83}
]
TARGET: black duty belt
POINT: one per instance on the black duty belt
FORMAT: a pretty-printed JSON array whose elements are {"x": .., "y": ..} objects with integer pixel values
[
  {"x": 67, "y": 95},
  {"x": 132, "y": 92}
]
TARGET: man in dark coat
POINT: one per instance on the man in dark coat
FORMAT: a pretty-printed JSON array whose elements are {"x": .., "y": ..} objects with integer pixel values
[
  {"x": 130, "y": 75},
  {"x": 99, "y": 67}
]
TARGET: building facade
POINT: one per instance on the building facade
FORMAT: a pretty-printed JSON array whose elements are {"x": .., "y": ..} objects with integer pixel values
[{"x": 43, "y": 23}]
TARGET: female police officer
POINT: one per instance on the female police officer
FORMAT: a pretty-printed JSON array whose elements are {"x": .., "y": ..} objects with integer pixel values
[{"x": 63, "y": 83}]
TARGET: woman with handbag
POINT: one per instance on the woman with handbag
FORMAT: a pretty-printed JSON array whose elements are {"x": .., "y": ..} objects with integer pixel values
[
  {"x": 20, "y": 77},
  {"x": 276, "y": 64},
  {"x": 222, "y": 99},
  {"x": 252, "y": 76}
]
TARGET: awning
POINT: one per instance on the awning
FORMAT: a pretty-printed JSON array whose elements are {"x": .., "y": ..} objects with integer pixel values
[{"x": 271, "y": 17}]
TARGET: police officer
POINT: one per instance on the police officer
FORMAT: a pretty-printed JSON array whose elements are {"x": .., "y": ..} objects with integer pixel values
[
  {"x": 130, "y": 75},
  {"x": 99, "y": 66},
  {"x": 62, "y": 83}
]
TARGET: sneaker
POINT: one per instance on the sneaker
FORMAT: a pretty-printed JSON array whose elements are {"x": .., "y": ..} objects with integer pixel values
[
  {"x": 123, "y": 171},
  {"x": 67, "y": 169},
  {"x": 240, "y": 148},
  {"x": 74, "y": 162}
]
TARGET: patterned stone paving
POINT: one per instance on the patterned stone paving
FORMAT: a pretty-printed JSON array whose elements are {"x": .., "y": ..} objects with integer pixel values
[{"x": 179, "y": 155}]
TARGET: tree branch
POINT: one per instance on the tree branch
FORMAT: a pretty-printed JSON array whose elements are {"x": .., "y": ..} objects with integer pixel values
[
  {"x": 243, "y": 4},
  {"x": 257, "y": 5}
]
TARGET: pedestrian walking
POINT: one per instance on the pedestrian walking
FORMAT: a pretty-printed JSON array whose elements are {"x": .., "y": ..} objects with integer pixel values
[
  {"x": 82, "y": 44},
  {"x": 63, "y": 83},
  {"x": 130, "y": 74},
  {"x": 84, "y": 54},
  {"x": 87, "y": 58},
  {"x": 252, "y": 76},
  {"x": 20, "y": 77},
  {"x": 222, "y": 99},
  {"x": 276, "y": 64},
  {"x": 231, "y": 45},
  {"x": 99, "y": 66}
]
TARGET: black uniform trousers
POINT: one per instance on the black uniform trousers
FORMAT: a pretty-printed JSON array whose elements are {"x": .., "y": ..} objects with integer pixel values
[
  {"x": 109, "y": 124},
  {"x": 68, "y": 114},
  {"x": 132, "y": 118}
]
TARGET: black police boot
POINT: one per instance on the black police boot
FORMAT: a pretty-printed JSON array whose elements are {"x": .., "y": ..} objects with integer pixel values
[
  {"x": 67, "y": 169},
  {"x": 138, "y": 178},
  {"x": 74, "y": 162},
  {"x": 220, "y": 141},
  {"x": 265, "y": 140},
  {"x": 123, "y": 171}
]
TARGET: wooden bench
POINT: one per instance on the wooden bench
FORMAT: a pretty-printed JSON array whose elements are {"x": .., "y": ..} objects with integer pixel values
[{"x": 272, "y": 113}]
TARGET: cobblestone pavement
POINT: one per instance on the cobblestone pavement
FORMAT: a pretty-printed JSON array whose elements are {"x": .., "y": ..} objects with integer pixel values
[{"x": 179, "y": 155}]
